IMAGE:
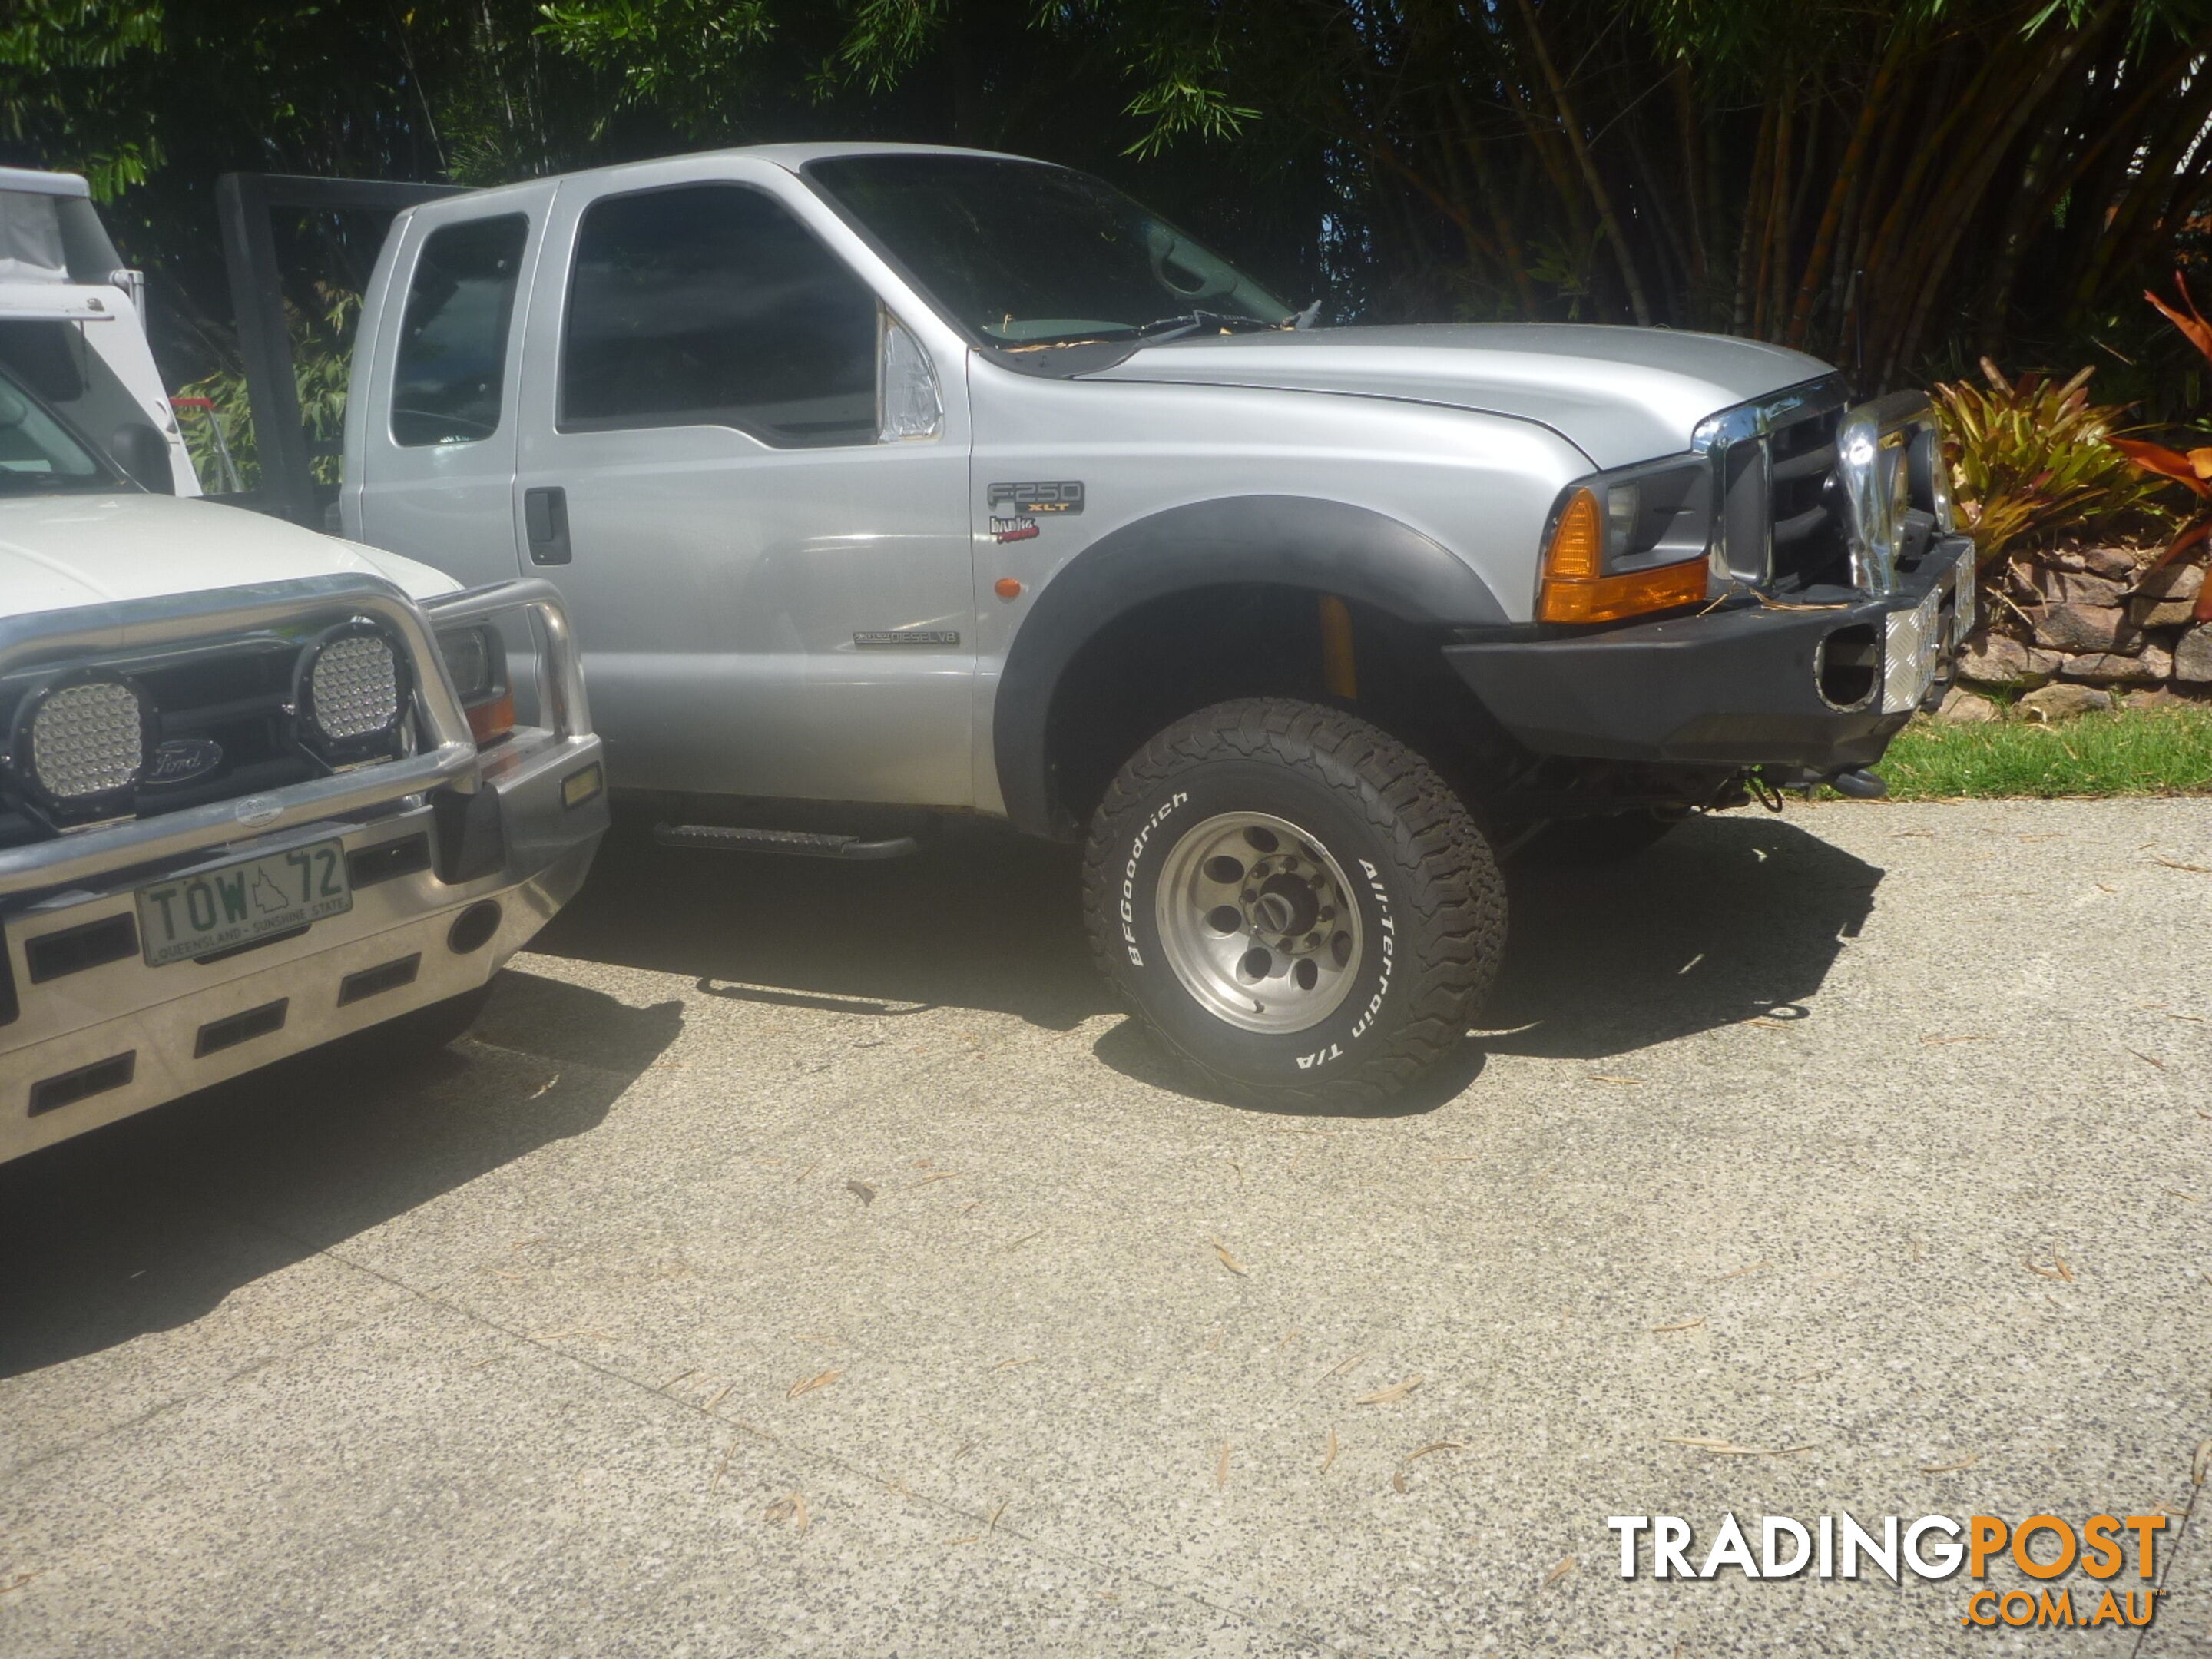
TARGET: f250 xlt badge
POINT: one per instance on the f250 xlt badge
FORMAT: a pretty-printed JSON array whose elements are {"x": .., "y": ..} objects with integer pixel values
[
  {"x": 1016, "y": 507},
  {"x": 1035, "y": 498}
]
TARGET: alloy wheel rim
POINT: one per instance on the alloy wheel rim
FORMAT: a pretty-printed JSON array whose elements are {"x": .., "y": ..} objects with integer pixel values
[{"x": 1258, "y": 923}]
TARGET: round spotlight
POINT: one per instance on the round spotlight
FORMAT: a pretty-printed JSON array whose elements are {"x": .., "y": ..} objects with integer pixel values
[
  {"x": 352, "y": 693},
  {"x": 355, "y": 686},
  {"x": 80, "y": 744}
]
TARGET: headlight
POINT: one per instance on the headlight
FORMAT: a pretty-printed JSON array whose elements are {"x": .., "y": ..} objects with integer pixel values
[
  {"x": 352, "y": 694},
  {"x": 475, "y": 662},
  {"x": 1624, "y": 544},
  {"x": 79, "y": 746}
]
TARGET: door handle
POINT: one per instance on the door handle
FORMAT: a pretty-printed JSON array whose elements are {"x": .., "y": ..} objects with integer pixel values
[{"x": 545, "y": 525}]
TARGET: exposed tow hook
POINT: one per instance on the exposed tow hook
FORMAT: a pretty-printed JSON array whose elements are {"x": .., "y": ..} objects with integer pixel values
[{"x": 1766, "y": 785}]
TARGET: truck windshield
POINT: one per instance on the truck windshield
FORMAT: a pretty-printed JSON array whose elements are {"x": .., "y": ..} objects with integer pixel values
[
  {"x": 37, "y": 452},
  {"x": 1027, "y": 256}
]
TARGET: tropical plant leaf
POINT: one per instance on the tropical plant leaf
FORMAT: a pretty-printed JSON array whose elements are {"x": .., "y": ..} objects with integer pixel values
[
  {"x": 2193, "y": 326},
  {"x": 2029, "y": 457},
  {"x": 2172, "y": 463}
]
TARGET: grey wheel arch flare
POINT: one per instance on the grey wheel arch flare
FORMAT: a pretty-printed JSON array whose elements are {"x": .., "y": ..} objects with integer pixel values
[{"x": 1329, "y": 547}]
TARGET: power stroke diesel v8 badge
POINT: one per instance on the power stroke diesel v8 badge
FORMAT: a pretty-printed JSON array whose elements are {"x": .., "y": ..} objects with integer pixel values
[{"x": 1016, "y": 507}]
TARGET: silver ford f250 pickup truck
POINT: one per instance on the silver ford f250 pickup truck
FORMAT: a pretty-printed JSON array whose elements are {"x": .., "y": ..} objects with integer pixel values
[{"x": 888, "y": 477}]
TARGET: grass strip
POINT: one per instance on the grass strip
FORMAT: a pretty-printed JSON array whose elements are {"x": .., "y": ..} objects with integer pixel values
[{"x": 2152, "y": 751}]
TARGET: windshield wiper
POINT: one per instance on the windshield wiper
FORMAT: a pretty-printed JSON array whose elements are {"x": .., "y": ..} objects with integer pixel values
[
  {"x": 1174, "y": 328},
  {"x": 1160, "y": 328}
]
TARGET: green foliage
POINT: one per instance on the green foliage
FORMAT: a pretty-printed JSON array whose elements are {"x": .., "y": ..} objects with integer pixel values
[
  {"x": 1885, "y": 183},
  {"x": 676, "y": 54},
  {"x": 2029, "y": 457},
  {"x": 232, "y": 415},
  {"x": 889, "y": 37},
  {"x": 1181, "y": 72},
  {"x": 322, "y": 365},
  {"x": 2151, "y": 751},
  {"x": 58, "y": 60}
]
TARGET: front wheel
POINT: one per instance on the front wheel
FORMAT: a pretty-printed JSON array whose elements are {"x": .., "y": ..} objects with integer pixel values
[{"x": 1294, "y": 903}]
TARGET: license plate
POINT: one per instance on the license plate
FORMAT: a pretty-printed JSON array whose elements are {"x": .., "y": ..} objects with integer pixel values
[{"x": 235, "y": 904}]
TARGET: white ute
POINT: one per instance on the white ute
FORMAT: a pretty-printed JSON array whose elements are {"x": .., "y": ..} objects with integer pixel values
[{"x": 259, "y": 788}]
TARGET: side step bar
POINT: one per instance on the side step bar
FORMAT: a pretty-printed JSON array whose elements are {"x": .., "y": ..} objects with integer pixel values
[{"x": 799, "y": 843}]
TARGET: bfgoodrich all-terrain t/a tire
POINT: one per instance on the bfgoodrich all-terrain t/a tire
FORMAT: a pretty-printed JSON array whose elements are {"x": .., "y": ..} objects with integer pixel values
[{"x": 1294, "y": 903}]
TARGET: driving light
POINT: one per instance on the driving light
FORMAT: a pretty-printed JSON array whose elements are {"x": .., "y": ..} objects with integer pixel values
[
  {"x": 82, "y": 741},
  {"x": 352, "y": 694},
  {"x": 1577, "y": 590},
  {"x": 355, "y": 686}
]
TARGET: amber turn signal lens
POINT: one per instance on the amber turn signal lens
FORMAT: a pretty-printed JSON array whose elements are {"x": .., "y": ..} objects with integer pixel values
[
  {"x": 1609, "y": 599},
  {"x": 1007, "y": 588},
  {"x": 492, "y": 719},
  {"x": 1577, "y": 551},
  {"x": 1576, "y": 590}
]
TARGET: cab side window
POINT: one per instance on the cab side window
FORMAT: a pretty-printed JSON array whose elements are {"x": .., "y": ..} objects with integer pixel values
[
  {"x": 711, "y": 304},
  {"x": 447, "y": 385}
]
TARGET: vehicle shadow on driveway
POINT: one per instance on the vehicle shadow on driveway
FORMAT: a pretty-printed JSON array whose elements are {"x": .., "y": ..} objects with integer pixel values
[
  {"x": 1731, "y": 917},
  {"x": 150, "y": 1222},
  {"x": 980, "y": 918}
]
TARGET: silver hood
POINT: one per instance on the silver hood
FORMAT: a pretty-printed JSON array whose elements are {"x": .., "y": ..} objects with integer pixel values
[{"x": 1620, "y": 395}]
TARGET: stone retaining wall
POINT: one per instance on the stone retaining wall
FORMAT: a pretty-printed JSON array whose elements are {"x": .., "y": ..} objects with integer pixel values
[{"x": 2099, "y": 632}]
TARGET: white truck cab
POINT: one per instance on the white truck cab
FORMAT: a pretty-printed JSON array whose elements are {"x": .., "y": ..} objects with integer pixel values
[{"x": 72, "y": 327}]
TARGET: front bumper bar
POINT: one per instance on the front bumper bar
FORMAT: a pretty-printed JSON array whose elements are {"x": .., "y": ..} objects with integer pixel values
[
  {"x": 427, "y": 841},
  {"x": 1753, "y": 686}
]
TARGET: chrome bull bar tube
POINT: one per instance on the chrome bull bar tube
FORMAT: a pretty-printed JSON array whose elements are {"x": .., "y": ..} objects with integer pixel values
[
  {"x": 562, "y": 701},
  {"x": 1884, "y": 450},
  {"x": 137, "y": 625}
]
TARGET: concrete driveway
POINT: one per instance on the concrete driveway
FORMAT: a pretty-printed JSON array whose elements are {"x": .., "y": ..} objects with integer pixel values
[{"x": 803, "y": 1260}]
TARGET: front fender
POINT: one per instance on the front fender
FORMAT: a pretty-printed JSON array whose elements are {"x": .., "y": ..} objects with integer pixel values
[{"x": 1328, "y": 547}]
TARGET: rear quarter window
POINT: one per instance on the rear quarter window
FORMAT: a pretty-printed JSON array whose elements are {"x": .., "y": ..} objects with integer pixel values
[{"x": 447, "y": 384}]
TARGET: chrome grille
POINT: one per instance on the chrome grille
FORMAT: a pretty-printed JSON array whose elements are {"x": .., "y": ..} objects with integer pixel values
[
  {"x": 1797, "y": 511},
  {"x": 1777, "y": 525},
  {"x": 1809, "y": 546}
]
